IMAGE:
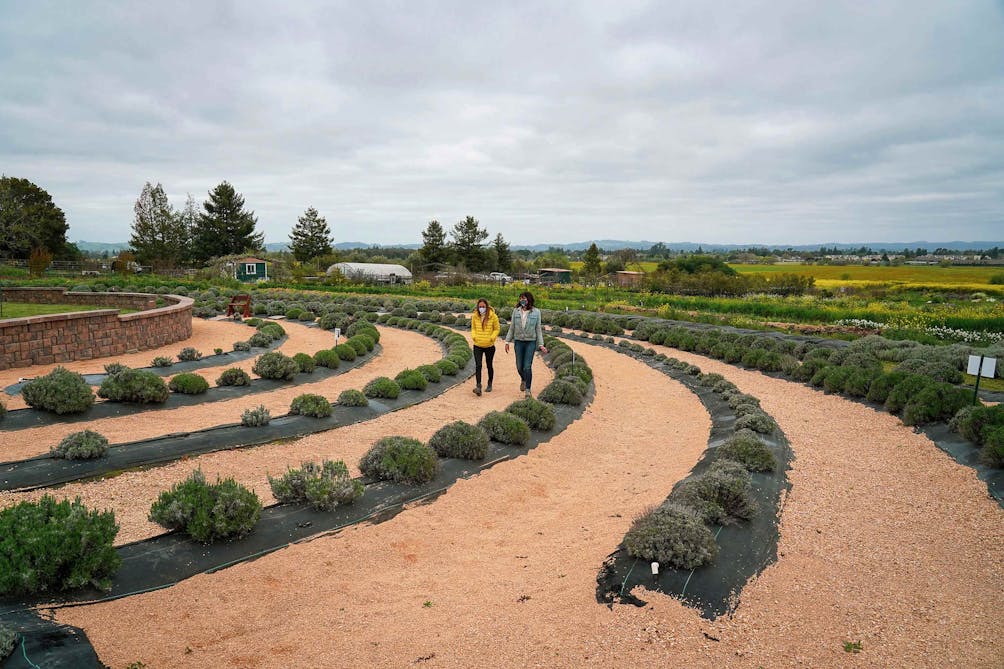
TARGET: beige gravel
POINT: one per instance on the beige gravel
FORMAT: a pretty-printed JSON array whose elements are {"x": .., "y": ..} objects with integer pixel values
[{"x": 884, "y": 539}]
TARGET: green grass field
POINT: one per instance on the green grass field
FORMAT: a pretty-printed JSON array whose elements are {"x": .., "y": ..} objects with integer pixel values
[{"x": 24, "y": 309}]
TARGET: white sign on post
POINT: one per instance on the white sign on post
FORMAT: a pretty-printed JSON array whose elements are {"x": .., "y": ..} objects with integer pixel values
[
  {"x": 338, "y": 333},
  {"x": 986, "y": 370}
]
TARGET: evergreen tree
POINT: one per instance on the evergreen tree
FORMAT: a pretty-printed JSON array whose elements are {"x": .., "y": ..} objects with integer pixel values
[
  {"x": 591, "y": 261},
  {"x": 434, "y": 250},
  {"x": 188, "y": 218},
  {"x": 159, "y": 235},
  {"x": 225, "y": 228},
  {"x": 503, "y": 257},
  {"x": 468, "y": 244},
  {"x": 311, "y": 237},
  {"x": 29, "y": 220}
]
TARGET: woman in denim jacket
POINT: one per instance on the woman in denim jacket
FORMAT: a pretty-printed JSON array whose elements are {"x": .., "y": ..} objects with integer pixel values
[{"x": 525, "y": 331}]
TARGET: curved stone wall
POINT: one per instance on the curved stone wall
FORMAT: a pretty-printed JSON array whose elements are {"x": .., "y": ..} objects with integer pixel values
[{"x": 44, "y": 340}]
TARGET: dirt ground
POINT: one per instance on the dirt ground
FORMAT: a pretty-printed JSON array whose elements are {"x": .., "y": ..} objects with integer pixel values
[{"x": 884, "y": 540}]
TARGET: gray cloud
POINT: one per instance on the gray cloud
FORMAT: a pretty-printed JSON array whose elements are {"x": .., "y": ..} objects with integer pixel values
[{"x": 724, "y": 122}]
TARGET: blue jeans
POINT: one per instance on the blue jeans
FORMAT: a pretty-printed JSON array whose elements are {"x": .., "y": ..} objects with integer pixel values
[{"x": 524, "y": 360}]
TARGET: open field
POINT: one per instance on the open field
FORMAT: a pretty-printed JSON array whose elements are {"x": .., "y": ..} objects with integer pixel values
[
  {"x": 25, "y": 309},
  {"x": 965, "y": 277}
]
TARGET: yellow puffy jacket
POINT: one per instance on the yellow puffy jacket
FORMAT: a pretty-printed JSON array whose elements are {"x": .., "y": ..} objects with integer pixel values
[{"x": 485, "y": 335}]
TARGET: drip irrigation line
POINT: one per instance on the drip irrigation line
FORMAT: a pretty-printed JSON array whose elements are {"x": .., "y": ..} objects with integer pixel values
[
  {"x": 624, "y": 584},
  {"x": 24, "y": 652}
]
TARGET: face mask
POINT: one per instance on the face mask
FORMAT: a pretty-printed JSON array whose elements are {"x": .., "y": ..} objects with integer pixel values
[
  {"x": 523, "y": 303},
  {"x": 481, "y": 310}
]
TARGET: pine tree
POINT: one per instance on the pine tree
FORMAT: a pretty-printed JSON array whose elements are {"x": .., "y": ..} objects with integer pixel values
[
  {"x": 468, "y": 244},
  {"x": 591, "y": 261},
  {"x": 29, "y": 219},
  {"x": 188, "y": 219},
  {"x": 503, "y": 257},
  {"x": 225, "y": 228},
  {"x": 311, "y": 237},
  {"x": 159, "y": 235},
  {"x": 434, "y": 251}
]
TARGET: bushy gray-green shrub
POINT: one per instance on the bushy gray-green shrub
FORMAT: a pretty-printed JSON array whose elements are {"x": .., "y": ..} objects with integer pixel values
[
  {"x": 758, "y": 421},
  {"x": 939, "y": 370},
  {"x": 538, "y": 415},
  {"x": 83, "y": 445},
  {"x": 992, "y": 453},
  {"x": 352, "y": 398},
  {"x": 860, "y": 380},
  {"x": 323, "y": 486},
  {"x": 260, "y": 340},
  {"x": 205, "y": 511},
  {"x": 506, "y": 428},
  {"x": 976, "y": 422},
  {"x": 673, "y": 535},
  {"x": 882, "y": 385},
  {"x": 358, "y": 345},
  {"x": 304, "y": 362},
  {"x": 114, "y": 367},
  {"x": 561, "y": 391},
  {"x": 577, "y": 370},
  {"x": 365, "y": 339},
  {"x": 272, "y": 330},
  {"x": 161, "y": 361},
  {"x": 382, "y": 388},
  {"x": 346, "y": 352},
  {"x": 275, "y": 365},
  {"x": 411, "y": 379},
  {"x": 234, "y": 376},
  {"x": 8, "y": 640},
  {"x": 138, "y": 386},
  {"x": 447, "y": 367},
  {"x": 189, "y": 354},
  {"x": 242, "y": 346},
  {"x": 49, "y": 545},
  {"x": 720, "y": 495},
  {"x": 327, "y": 358},
  {"x": 310, "y": 404},
  {"x": 746, "y": 448},
  {"x": 256, "y": 417},
  {"x": 904, "y": 391},
  {"x": 933, "y": 403},
  {"x": 400, "y": 459},
  {"x": 60, "y": 391},
  {"x": 430, "y": 372},
  {"x": 460, "y": 440},
  {"x": 188, "y": 384}
]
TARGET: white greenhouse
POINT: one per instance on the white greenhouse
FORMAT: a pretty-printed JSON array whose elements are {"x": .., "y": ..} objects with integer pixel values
[{"x": 372, "y": 272}]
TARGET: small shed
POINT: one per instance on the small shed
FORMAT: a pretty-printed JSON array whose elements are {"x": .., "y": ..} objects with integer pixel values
[
  {"x": 555, "y": 275},
  {"x": 629, "y": 279},
  {"x": 250, "y": 270},
  {"x": 372, "y": 272}
]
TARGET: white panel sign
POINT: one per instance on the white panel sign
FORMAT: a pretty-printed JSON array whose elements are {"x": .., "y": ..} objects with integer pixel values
[
  {"x": 338, "y": 333},
  {"x": 988, "y": 369}
]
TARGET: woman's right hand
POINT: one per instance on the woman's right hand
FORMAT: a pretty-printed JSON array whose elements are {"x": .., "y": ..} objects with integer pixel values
[{"x": 507, "y": 347}]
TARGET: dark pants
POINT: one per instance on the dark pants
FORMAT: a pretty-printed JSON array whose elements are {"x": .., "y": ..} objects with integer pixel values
[
  {"x": 488, "y": 354},
  {"x": 524, "y": 360}
]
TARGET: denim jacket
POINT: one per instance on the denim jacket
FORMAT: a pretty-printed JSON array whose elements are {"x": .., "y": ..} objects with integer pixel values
[{"x": 531, "y": 332}]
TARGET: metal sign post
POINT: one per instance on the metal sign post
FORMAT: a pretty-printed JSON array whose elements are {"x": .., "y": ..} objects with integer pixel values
[
  {"x": 338, "y": 333},
  {"x": 980, "y": 365}
]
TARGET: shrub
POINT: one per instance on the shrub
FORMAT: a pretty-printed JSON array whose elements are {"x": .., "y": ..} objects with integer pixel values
[
  {"x": 746, "y": 448},
  {"x": 976, "y": 422},
  {"x": 189, "y": 354},
  {"x": 260, "y": 340},
  {"x": 188, "y": 384},
  {"x": 310, "y": 404},
  {"x": 460, "y": 440},
  {"x": 357, "y": 344},
  {"x": 447, "y": 367},
  {"x": 8, "y": 637},
  {"x": 275, "y": 365},
  {"x": 411, "y": 379},
  {"x": 114, "y": 367},
  {"x": 305, "y": 362},
  {"x": 217, "y": 351},
  {"x": 560, "y": 391},
  {"x": 430, "y": 372},
  {"x": 859, "y": 381},
  {"x": 49, "y": 545},
  {"x": 400, "y": 459},
  {"x": 83, "y": 445},
  {"x": 161, "y": 361},
  {"x": 382, "y": 387},
  {"x": 506, "y": 428},
  {"x": 578, "y": 370},
  {"x": 936, "y": 402},
  {"x": 323, "y": 486},
  {"x": 721, "y": 495},
  {"x": 992, "y": 453},
  {"x": 758, "y": 421},
  {"x": 353, "y": 398},
  {"x": 538, "y": 415},
  {"x": 327, "y": 358},
  {"x": 256, "y": 417},
  {"x": 672, "y": 535},
  {"x": 60, "y": 391},
  {"x": 234, "y": 376},
  {"x": 835, "y": 378},
  {"x": 346, "y": 352},
  {"x": 904, "y": 391},
  {"x": 207, "y": 512},
  {"x": 242, "y": 346},
  {"x": 134, "y": 385},
  {"x": 882, "y": 385},
  {"x": 293, "y": 313},
  {"x": 272, "y": 330},
  {"x": 365, "y": 339}
]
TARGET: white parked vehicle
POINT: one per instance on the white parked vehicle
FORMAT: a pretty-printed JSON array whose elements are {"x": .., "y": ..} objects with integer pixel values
[{"x": 500, "y": 276}]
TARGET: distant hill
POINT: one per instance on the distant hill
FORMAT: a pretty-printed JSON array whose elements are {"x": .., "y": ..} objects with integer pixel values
[{"x": 101, "y": 247}]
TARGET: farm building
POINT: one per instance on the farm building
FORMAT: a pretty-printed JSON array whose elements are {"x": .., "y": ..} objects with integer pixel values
[
  {"x": 555, "y": 275},
  {"x": 250, "y": 269},
  {"x": 628, "y": 279},
  {"x": 371, "y": 272}
]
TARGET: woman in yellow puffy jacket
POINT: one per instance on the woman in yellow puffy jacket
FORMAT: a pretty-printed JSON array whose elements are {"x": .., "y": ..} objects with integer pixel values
[{"x": 484, "y": 331}]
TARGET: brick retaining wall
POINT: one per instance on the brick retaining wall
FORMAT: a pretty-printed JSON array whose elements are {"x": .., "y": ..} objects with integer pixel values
[{"x": 45, "y": 340}]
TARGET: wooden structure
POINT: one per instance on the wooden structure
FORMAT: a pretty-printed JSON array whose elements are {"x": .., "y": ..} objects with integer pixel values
[{"x": 240, "y": 306}]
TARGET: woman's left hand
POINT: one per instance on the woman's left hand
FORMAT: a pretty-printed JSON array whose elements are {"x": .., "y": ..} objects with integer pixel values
[{"x": 543, "y": 349}]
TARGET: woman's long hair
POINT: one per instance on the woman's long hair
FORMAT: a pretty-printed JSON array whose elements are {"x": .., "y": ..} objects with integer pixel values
[
  {"x": 529, "y": 299},
  {"x": 488, "y": 311}
]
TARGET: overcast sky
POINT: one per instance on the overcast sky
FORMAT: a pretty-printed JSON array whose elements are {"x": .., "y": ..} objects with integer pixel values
[{"x": 774, "y": 122}]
